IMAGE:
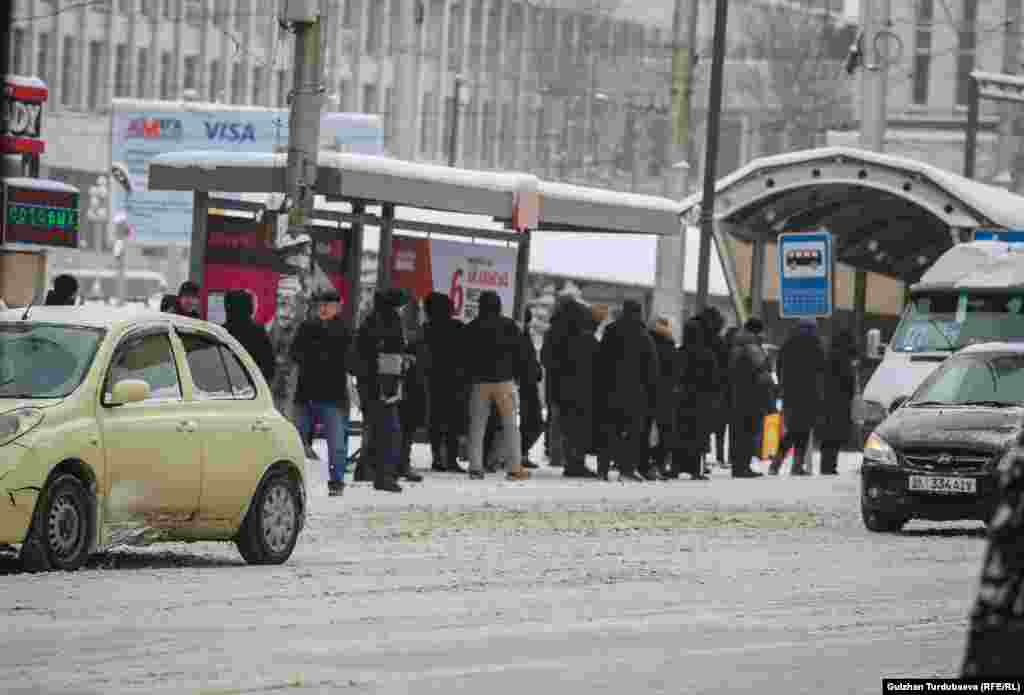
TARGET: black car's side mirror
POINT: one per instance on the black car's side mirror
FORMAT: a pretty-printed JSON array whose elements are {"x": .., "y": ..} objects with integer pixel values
[{"x": 897, "y": 402}]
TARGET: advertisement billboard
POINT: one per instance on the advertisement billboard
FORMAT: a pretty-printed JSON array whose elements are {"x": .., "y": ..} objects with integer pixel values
[
  {"x": 40, "y": 212},
  {"x": 460, "y": 269},
  {"x": 141, "y": 130}
]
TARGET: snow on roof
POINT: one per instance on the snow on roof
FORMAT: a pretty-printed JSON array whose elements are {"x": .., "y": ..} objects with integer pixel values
[
  {"x": 604, "y": 196},
  {"x": 213, "y": 159},
  {"x": 40, "y": 184},
  {"x": 25, "y": 81},
  {"x": 400, "y": 168},
  {"x": 999, "y": 205},
  {"x": 975, "y": 265}
]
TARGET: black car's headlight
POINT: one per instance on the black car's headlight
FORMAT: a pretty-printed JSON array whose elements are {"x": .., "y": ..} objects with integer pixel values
[
  {"x": 877, "y": 450},
  {"x": 16, "y": 423}
]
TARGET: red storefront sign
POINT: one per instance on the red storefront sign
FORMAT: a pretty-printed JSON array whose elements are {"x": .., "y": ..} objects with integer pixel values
[{"x": 23, "y": 115}]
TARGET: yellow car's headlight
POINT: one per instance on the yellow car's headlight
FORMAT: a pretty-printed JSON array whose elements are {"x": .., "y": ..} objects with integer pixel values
[
  {"x": 16, "y": 423},
  {"x": 877, "y": 450}
]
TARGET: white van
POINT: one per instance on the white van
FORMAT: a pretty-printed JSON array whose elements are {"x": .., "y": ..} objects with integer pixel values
[{"x": 973, "y": 293}]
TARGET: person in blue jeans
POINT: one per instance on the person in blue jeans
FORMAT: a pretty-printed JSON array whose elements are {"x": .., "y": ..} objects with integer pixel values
[{"x": 322, "y": 394}]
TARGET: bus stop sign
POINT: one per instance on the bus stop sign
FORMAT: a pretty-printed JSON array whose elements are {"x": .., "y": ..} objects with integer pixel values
[
  {"x": 805, "y": 275},
  {"x": 1012, "y": 236}
]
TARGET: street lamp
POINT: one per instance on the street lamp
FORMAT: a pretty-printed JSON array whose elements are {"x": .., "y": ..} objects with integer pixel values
[{"x": 99, "y": 210}]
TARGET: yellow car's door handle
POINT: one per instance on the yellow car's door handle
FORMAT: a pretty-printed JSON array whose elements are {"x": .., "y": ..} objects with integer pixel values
[
  {"x": 260, "y": 426},
  {"x": 187, "y": 426}
]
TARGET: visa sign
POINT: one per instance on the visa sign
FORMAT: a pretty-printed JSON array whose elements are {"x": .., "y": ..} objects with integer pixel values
[{"x": 227, "y": 131}]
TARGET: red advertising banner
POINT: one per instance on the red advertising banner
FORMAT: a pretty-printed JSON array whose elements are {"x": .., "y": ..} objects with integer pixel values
[{"x": 240, "y": 256}]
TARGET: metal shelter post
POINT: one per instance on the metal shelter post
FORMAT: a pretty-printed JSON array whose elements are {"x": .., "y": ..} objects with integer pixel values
[
  {"x": 973, "y": 116},
  {"x": 355, "y": 267},
  {"x": 522, "y": 274},
  {"x": 757, "y": 259},
  {"x": 387, "y": 227},
  {"x": 719, "y": 233},
  {"x": 197, "y": 246}
]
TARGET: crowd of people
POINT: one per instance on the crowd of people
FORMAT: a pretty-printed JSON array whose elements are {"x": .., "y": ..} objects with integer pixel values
[{"x": 627, "y": 395}]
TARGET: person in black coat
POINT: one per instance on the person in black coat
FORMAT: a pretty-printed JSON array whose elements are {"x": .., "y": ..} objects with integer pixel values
[
  {"x": 381, "y": 349},
  {"x": 64, "y": 292},
  {"x": 698, "y": 381},
  {"x": 840, "y": 387},
  {"x": 412, "y": 409},
  {"x": 238, "y": 306},
  {"x": 321, "y": 395},
  {"x": 571, "y": 387},
  {"x": 554, "y": 334},
  {"x": 714, "y": 322},
  {"x": 532, "y": 424},
  {"x": 752, "y": 392},
  {"x": 801, "y": 371},
  {"x": 653, "y": 467},
  {"x": 444, "y": 338},
  {"x": 628, "y": 380}
]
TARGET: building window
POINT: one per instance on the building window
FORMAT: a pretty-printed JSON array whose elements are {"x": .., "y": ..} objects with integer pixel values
[
  {"x": 43, "y": 57},
  {"x": 350, "y": 17},
  {"x": 455, "y": 37},
  {"x": 923, "y": 50},
  {"x": 282, "y": 88},
  {"x": 508, "y": 135},
  {"x": 487, "y": 135},
  {"x": 168, "y": 10},
  {"x": 967, "y": 41},
  {"x": 428, "y": 114},
  {"x": 17, "y": 51},
  {"x": 373, "y": 28},
  {"x": 190, "y": 80},
  {"x": 370, "y": 98},
  {"x": 67, "y": 74},
  {"x": 96, "y": 73},
  {"x": 257, "y": 85},
  {"x": 215, "y": 81},
  {"x": 389, "y": 116},
  {"x": 126, "y": 6},
  {"x": 237, "y": 84},
  {"x": 122, "y": 80},
  {"x": 194, "y": 12},
  {"x": 242, "y": 13},
  {"x": 165, "y": 75},
  {"x": 142, "y": 73}
]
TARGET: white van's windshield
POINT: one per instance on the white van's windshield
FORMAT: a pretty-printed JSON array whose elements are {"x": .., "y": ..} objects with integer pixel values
[{"x": 944, "y": 322}]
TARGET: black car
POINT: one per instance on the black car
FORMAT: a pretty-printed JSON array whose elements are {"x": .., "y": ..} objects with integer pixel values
[{"x": 935, "y": 456}]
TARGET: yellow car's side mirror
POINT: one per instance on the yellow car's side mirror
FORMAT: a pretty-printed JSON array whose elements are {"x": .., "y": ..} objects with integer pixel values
[{"x": 129, "y": 391}]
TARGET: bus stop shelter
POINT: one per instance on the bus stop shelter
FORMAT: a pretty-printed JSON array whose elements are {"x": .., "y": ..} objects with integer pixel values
[
  {"x": 363, "y": 180},
  {"x": 888, "y": 215}
]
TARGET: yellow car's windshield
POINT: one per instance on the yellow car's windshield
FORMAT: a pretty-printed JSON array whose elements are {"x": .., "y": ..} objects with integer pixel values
[{"x": 40, "y": 360}]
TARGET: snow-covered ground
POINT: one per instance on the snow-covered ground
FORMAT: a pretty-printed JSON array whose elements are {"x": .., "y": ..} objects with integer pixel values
[{"x": 551, "y": 585}]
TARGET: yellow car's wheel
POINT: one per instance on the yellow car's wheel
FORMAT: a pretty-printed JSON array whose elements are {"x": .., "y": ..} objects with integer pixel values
[
  {"x": 271, "y": 528},
  {"x": 59, "y": 537}
]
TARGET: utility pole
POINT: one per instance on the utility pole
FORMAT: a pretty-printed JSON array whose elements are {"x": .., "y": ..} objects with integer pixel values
[
  {"x": 669, "y": 287},
  {"x": 303, "y": 18},
  {"x": 707, "y": 206}
]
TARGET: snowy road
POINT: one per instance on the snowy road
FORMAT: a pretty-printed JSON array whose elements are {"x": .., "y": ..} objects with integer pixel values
[{"x": 453, "y": 586}]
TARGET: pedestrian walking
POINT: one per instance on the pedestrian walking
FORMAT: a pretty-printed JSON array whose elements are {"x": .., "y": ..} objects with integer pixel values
[
  {"x": 571, "y": 375},
  {"x": 188, "y": 300},
  {"x": 801, "y": 372},
  {"x": 320, "y": 351},
  {"x": 497, "y": 359},
  {"x": 837, "y": 409},
  {"x": 697, "y": 383},
  {"x": 64, "y": 292},
  {"x": 444, "y": 338},
  {"x": 662, "y": 421},
  {"x": 532, "y": 424},
  {"x": 752, "y": 396},
  {"x": 627, "y": 387},
  {"x": 381, "y": 348},
  {"x": 718, "y": 403},
  {"x": 238, "y": 306}
]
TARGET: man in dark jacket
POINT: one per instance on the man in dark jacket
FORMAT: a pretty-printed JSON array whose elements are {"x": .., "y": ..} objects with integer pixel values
[
  {"x": 497, "y": 359},
  {"x": 628, "y": 372},
  {"x": 381, "y": 348},
  {"x": 697, "y": 384},
  {"x": 321, "y": 396},
  {"x": 556, "y": 329},
  {"x": 718, "y": 403},
  {"x": 238, "y": 306},
  {"x": 752, "y": 392},
  {"x": 444, "y": 338},
  {"x": 801, "y": 371},
  {"x": 64, "y": 292},
  {"x": 840, "y": 387},
  {"x": 663, "y": 416}
]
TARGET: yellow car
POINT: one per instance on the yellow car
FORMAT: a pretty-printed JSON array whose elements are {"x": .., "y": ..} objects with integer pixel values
[{"x": 123, "y": 427}]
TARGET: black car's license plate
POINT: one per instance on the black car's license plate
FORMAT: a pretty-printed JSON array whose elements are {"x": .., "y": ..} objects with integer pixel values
[{"x": 936, "y": 483}]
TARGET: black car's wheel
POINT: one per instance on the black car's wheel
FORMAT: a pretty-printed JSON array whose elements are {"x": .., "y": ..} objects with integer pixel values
[
  {"x": 271, "y": 528},
  {"x": 880, "y": 523},
  {"x": 61, "y": 528}
]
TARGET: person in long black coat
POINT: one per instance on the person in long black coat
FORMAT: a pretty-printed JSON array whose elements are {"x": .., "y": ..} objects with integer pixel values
[
  {"x": 571, "y": 374},
  {"x": 714, "y": 322},
  {"x": 412, "y": 409},
  {"x": 238, "y": 305},
  {"x": 555, "y": 333},
  {"x": 445, "y": 341},
  {"x": 752, "y": 393},
  {"x": 801, "y": 372},
  {"x": 628, "y": 373},
  {"x": 663, "y": 416},
  {"x": 698, "y": 380},
  {"x": 840, "y": 388}
]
